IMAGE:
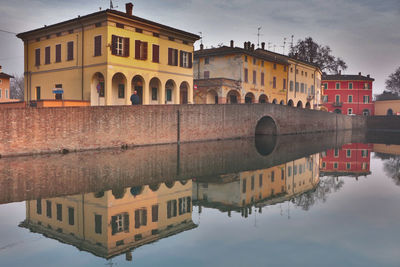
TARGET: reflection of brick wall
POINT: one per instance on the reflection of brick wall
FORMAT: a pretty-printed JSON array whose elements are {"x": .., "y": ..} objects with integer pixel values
[
  {"x": 79, "y": 128},
  {"x": 384, "y": 123}
]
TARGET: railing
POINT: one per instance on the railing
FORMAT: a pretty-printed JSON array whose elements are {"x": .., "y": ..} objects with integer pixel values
[{"x": 337, "y": 104}]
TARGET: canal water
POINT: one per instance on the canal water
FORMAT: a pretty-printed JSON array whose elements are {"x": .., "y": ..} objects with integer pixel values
[{"x": 305, "y": 200}]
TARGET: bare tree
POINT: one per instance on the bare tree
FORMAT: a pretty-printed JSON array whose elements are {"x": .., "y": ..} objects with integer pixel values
[
  {"x": 393, "y": 82},
  {"x": 320, "y": 55},
  {"x": 17, "y": 87}
]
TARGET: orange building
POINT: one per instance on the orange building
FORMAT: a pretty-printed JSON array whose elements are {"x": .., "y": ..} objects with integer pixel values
[{"x": 5, "y": 87}]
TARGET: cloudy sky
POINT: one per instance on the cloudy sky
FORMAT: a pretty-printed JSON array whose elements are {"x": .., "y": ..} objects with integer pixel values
[{"x": 365, "y": 33}]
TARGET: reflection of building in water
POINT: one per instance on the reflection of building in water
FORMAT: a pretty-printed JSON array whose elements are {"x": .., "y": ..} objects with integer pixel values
[
  {"x": 387, "y": 149},
  {"x": 114, "y": 222},
  {"x": 235, "y": 192},
  {"x": 350, "y": 160}
]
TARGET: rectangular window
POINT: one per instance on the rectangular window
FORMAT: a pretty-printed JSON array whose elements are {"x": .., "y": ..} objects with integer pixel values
[
  {"x": 169, "y": 95},
  {"x": 348, "y": 153},
  {"x": 37, "y": 57},
  {"x": 58, "y": 53},
  {"x": 206, "y": 60},
  {"x": 295, "y": 170},
  {"x": 254, "y": 77},
  {"x": 252, "y": 182},
  {"x": 337, "y": 85},
  {"x": 140, "y": 217},
  {"x": 7, "y": 94},
  {"x": 312, "y": 90},
  {"x": 154, "y": 92},
  {"x": 289, "y": 171},
  {"x": 140, "y": 50},
  {"x": 119, "y": 223},
  {"x": 348, "y": 165},
  {"x": 245, "y": 58},
  {"x": 364, "y": 153},
  {"x": 172, "y": 57},
  {"x": 272, "y": 176},
  {"x": 70, "y": 51},
  {"x": 274, "y": 66},
  {"x": 350, "y": 85},
  {"x": 274, "y": 82},
  {"x": 325, "y": 86},
  {"x": 59, "y": 212},
  {"x": 121, "y": 90},
  {"x": 262, "y": 78},
  {"x": 244, "y": 186},
  {"x": 324, "y": 165},
  {"x": 291, "y": 86},
  {"x": 284, "y": 84},
  {"x": 39, "y": 206},
  {"x": 366, "y": 85},
  {"x": 260, "y": 178},
  {"x": 297, "y": 86},
  {"x": 349, "y": 111},
  {"x": 337, "y": 98},
  {"x": 71, "y": 216},
  {"x": 0, "y": 94},
  {"x": 282, "y": 174},
  {"x": 350, "y": 98},
  {"x": 156, "y": 53},
  {"x": 336, "y": 153},
  {"x": 302, "y": 87},
  {"x": 366, "y": 99},
  {"x": 97, "y": 224},
  {"x": 48, "y": 208},
  {"x": 185, "y": 59},
  {"x": 154, "y": 213},
  {"x": 335, "y": 165},
  {"x": 246, "y": 75},
  {"x": 47, "y": 55},
  {"x": 206, "y": 74},
  {"x": 38, "y": 93},
  {"x": 58, "y": 96},
  {"x": 119, "y": 46},
  {"x": 97, "y": 46},
  {"x": 171, "y": 208}
]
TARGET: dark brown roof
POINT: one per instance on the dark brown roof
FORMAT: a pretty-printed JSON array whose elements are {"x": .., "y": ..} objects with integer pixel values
[
  {"x": 346, "y": 77},
  {"x": 5, "y": 75},
  {"x": 226, "y": 50},
  {"x": 286, "y": 57},
  {"x": 189, "y": 35}
]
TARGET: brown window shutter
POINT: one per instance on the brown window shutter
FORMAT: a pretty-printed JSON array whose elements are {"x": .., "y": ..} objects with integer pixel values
[
  {"x": 58, "y": 53},
  {"x": 113, "y": 44},
  {"x": 70, "y": 51},
  {"x": 181, "y": 58},
  {"x": 126, "y": 47},
  {"x": 176, "y": 57},
  {"x": 137, "y": 49},
  {"x": 97, "y": 46},
  {"x": 190, "y": 60},
  {"x": 37, "y": 57},
  {"x": 169, "y": 56},
  {"x": 47, "y": 55},
  {"x": 156, "y": 53},
  {"x": 144, "y": 56}
]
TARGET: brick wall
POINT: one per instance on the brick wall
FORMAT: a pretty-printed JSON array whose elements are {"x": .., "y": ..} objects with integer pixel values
[
  {"x": 44, "y": 130},
  {"x": 384, "y": 123}
]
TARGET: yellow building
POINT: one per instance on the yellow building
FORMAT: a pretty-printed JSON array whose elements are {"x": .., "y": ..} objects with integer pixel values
[
  {"x": 304, "y": 82},
  {"x": 116, "y": 221},
  {"x": 104, "y": 56},
  {"x": 239, "y": 75},
  {"x": 387, "y": 107}
]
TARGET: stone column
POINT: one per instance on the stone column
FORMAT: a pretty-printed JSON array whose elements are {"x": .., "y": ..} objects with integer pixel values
[{"x": 108, "y": 88}]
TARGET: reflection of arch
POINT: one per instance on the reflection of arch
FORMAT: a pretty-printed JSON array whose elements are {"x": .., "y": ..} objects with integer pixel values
[
  {"x": 389, "y": 112},
  {"x": 265, "y": 144},
  {"x": 184, "y": 93},
  {"x": 136, "y": 190},
  {"x": 118, "y": 193},
  {"x": 366, "y": 112},
  {"x": 98, "y": 194},
  {"x": 183, "y": 182},
  {"x": 97, "y": 91},
  {"x": 249, "y": 98},
  {"x": 274, "y": 101},
  {"x": 138, "y": 85},
  {"x": 155, "y": 91},
  {"x": 300, "y": 104},
  {"x": 154, "y": 187},
  {"x": 170, "y": 184},
  {"x": 170, "y": 91},
  {"x": 323, "y": 108},
  {"x": 290, "y": 103},
  {"x": 266, "y": 126},
  {"x": 338, "y": 111},
  {"x": 263, "y": 99},
  {"x": 118, "y": 89},
  {"x": 233, "y": 97},
  {"x": 282, "y": 102},
  {"x": 212, "y": 97},
  {"x": 308, "y": 105}
]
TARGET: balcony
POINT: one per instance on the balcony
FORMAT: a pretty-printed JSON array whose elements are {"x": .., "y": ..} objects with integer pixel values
[{"x": 337, "y": 104}]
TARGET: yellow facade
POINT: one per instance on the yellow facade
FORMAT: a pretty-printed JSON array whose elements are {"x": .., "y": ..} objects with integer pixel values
[
  {"x": 82, "y": 76},
  {"x": 387, "y": 107},
  {"x": 116, "y": 221}
]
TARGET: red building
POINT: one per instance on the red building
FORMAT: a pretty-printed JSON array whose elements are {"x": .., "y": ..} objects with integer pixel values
[
  {"x": 350, "y": 160},
  {"x": 348, "y": 94}
]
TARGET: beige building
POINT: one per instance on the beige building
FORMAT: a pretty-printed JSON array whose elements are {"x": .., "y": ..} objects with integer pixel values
[
  {"x": 5, "y": 87},
  {"x": 387, "y": 107},
  {"x": 104, "y": 56},
  {"x": 116, "y": 221}
]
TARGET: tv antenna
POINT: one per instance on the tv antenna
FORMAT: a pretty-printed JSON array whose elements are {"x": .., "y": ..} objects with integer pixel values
[
  {"x": 111, "y": 5},
  {"x": 258, "y": 36},
  {"x": 274, "y": 47},
  {"x": 269, "y": 45},
  {"x": 291, "y": 43},
  {"x": 201, "y": 37},
  {"x": 284, "y": 44}
]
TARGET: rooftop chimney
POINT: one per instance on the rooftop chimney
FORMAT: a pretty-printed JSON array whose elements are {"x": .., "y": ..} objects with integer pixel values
[
  {"x": 252, "y": 47},
  {"x": 359, "y": 73},
  {"x": 368, "y": 75},
  {"x": 244, "y": 45},
  {"x": 340, "y": 72},
  {"x": 0, "y": 69},
  {"x": 201, "y": 46},
  {"x": 263, "y": 45},
  {"x": 129, "y": 8},
  {"x": 232, "y": 43}
]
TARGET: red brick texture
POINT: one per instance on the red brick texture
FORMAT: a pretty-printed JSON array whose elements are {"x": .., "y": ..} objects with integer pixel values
[{"x": 44, "y": 130}]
